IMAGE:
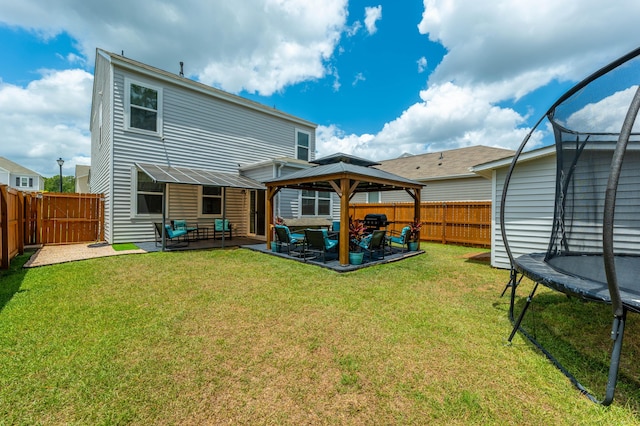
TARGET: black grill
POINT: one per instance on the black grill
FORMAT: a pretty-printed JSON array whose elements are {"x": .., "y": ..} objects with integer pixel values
[{"x": 375, "y": 221}]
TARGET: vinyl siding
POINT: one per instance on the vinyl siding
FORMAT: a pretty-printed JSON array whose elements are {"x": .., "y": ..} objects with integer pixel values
[
  {"x": 102, "y": 139},
  {"x": 198, "y": 131},
  {"x": 529, "y": 209},
  {"x": 464, "y": 189}
]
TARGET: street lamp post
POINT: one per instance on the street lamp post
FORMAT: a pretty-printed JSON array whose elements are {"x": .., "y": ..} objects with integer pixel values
[{"x": 60, "y": 163}]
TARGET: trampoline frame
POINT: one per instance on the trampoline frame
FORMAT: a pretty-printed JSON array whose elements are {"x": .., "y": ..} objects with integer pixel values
[{"x": 518, "y": 271}]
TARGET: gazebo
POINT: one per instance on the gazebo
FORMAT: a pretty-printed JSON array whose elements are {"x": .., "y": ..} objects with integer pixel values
[{"x": 345, "y": 175}]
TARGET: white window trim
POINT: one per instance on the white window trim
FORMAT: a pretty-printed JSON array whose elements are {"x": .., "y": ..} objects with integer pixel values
[
  {"x": 127, "y": 107},
  {"x": 307, "y": 147},
  {"x": 134, "y": 198},
  {"x": 206, "y": 216},
  {"x": 316, "y": 198}
]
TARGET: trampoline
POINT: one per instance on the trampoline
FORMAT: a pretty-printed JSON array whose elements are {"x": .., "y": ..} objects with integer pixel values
[{"x": 594, "y": 246}]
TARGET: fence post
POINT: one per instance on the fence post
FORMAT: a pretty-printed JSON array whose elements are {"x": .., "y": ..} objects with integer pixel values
[{"x": 4, "y": 228}]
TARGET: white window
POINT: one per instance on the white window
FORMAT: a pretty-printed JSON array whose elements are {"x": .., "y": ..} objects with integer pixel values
[
  {"x": 24, "y": 182},
  {"x": 316, "y": 203},
  {"x": 148, "y": 198},
  {"x": 373, "y": 197},
  {"x": 143, "y": 107},
  {"x": 211, "y": 200},
  {"x": 303, "y": 139}
]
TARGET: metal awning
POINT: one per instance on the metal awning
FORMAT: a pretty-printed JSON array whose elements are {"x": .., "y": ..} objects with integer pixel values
[{"x": 161, "y": 173}]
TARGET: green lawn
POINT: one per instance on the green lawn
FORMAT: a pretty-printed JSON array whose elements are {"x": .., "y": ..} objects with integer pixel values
[{"x": 240, "y": 337}]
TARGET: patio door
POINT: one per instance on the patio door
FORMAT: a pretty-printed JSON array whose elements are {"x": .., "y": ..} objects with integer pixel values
[{"x": 257, "y": 213}]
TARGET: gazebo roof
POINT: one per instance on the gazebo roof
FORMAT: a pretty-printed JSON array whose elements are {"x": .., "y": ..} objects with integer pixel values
[
  {"x": 345, "y": 158},
  {"x": 369, "y": 179}
]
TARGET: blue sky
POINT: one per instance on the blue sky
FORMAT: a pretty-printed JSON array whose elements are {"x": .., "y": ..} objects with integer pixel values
[{"x": 380, "y": 78}]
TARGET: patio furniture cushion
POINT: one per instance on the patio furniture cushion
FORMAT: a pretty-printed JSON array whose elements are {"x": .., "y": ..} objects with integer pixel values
[
  {"x": 222, "y": 227},
  {"x": 317, "y": 241},
  {"x": 374, "y": 243},
  {"x": 402, "y": 239},
  {"x": 172, "y": 236},
  {"x": 286, "y": 239}
]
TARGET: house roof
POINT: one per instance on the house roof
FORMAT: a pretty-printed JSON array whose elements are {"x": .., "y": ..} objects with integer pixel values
[
  {"x": 486, "y": 169},
  {"x": 16, "y": 168},
  {"x": 454, "y": 163},
  {"x": 82, "y": 170},
  {"x": 161, "y": 173},
  {"x": 128, "y": 63}
]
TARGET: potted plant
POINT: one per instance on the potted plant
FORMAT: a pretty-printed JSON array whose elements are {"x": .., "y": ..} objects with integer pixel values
[
  {"x": 356, "y": 234},
  {"x": 414, "y": 234}
]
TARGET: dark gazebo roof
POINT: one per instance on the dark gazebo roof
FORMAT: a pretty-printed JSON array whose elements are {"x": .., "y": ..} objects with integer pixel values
[
  {"x": 369, "y": 179},
  {"x": 345, "y": 158}
]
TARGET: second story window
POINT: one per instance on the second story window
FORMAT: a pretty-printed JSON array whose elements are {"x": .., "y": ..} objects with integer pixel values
[
  {"x": 143, "y": 107},
  {"x": 302, "y": 145}
]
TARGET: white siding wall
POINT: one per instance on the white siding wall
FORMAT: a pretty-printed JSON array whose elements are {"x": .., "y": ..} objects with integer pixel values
[
  {"x": 101, "y": 139},
  {"x": 199, "y": 131},
  {"x": 463, "y": 189},
  {"x": 529, "y": 209}
]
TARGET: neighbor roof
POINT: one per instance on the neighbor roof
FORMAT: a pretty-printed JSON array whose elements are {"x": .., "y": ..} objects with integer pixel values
[
  {"x": 443, "y": 164},
  {"x": 15, "y": 168}
]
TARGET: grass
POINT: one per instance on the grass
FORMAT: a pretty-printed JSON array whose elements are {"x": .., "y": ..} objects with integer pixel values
[
  {"x": 124, "y": 246},
  {"x": 235, "y": 336}
]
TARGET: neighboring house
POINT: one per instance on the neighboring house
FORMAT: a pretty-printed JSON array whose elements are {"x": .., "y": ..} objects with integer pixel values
[
  {"x": 446, "y": 174},
  {"x": 82, "y": 179},
  {"x": 530, "y": 203},
  {"x": 18, "y": 177},
  {"x": 216, "y": 146}
]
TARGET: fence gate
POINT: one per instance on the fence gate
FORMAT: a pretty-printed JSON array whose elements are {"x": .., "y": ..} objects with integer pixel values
[{"x": 66, "y": 218}]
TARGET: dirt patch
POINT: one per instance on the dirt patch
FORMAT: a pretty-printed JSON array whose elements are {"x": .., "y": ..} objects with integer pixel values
[
  {"x": 49, "y": 255},
  {"x": 479, "y": 257}
]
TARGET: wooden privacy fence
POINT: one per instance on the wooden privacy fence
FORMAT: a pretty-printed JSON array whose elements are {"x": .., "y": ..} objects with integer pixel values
[
  {"x": 60, "y": 218},
  {"x": 450, "y": 222},
  {"x": 47, "y": 218},
  {"x": 11, "y": 221}
]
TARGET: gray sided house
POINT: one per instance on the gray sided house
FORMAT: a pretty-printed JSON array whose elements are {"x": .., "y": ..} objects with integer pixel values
[
  {"x": 446, "y": 174},
  {"x": 530, "y": 205},
  {"x": 217, "y": 148},
  {"x": 18, "y": 177}
]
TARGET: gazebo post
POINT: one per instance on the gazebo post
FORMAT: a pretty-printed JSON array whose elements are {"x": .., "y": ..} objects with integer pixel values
[
  {"x": 343, "y": 255},
  {"x": 271, "y": 192}
]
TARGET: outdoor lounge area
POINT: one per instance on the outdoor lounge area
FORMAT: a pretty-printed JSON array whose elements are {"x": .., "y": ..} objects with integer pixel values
[{"x": 331, "y": 262}]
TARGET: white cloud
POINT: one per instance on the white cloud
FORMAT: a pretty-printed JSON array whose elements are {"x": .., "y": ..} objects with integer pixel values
[
  {"x": 422, "y": 64},
  {"x": 496, "y": 54},
  {"x": 260, "y": 46},
  {"x": 371, "y": 16},
  {"x": 358, "y": 78},
  {"x": 47, "y": 119}
]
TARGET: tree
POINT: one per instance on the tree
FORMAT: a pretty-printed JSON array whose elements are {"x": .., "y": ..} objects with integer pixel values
[{"x": 52, "y": 184}]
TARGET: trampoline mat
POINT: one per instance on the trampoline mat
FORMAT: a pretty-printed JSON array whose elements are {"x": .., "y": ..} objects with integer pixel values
[{"x": 584, "y": 276}]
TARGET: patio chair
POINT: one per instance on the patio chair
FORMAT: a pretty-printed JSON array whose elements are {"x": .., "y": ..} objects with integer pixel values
[
  {"x": 287, "y": 240},
  {"x": 402, "y": 239},
  {"x": 181, "y": 225},
  {"x": 374, "y": 243},
  {"x": 219, "y": 228},
  {"x": 317, "y": 241},
  {"x": 173, "y": 238}
]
